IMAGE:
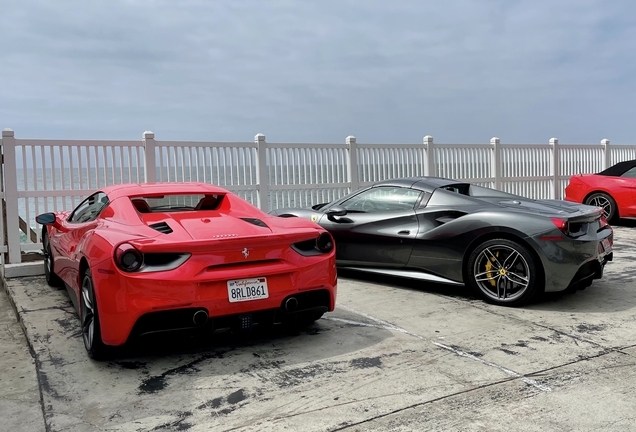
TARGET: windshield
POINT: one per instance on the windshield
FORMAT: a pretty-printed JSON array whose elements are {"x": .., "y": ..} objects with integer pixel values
[{"x": 176, "y": 202}]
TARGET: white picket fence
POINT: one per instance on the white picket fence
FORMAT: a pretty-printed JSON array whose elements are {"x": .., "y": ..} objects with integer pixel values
[{"x": 54, "y": 175}]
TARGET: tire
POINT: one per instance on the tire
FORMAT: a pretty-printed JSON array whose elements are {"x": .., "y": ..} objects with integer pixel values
[
  {"x": 606, "y": 202},
  {"x": 489, "y": 270},
  {"x": 89, "y": 319},
  {"x": 49, "y": 266}
]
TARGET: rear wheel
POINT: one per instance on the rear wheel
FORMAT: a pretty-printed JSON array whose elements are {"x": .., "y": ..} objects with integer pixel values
[
  {"x": 606, "y": 202},
  {"x": 503, "y": 272},
  {"x": 89, "y": 315},
  {"x": 49, "y": 267}
]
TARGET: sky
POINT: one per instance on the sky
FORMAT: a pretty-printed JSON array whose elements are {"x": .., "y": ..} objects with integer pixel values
[{"x": 317, "y": 71}]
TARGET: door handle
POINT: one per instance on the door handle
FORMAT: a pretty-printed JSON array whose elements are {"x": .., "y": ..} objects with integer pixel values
[{"x": 404, "y": 232}]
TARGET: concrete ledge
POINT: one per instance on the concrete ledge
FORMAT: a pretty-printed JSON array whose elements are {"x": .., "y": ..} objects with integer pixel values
[{"x": 35, "y": 268}]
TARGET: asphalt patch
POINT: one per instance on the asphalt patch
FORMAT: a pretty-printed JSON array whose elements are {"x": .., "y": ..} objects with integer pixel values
[{"x": 366, "y": 362}]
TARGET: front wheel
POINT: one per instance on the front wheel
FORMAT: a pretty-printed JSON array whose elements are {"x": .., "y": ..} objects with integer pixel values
[
  {"x": 606, "y": 202},
  {"x": 503, "y": 272},
  {"x": 89, "y": 315}
]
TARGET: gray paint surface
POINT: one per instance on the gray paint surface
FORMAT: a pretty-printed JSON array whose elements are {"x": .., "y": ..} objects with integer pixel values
[{"x": 395, "y": 355}]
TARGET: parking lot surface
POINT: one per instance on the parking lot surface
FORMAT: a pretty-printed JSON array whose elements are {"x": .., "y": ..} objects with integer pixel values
[{"x": 395, "y": 355}]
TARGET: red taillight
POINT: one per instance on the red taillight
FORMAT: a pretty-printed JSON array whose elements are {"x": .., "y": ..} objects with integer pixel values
[
  {"x": 561, "y": 224},
  {"x": 604, "y": 222},
  {"x": 128, "y": 258}
]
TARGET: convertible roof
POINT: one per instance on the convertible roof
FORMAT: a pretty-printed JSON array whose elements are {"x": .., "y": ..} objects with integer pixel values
[
  {"x": 136, "y": 189},
  {"x": 619, "y": 169},
  {"x": 427, "y": 184}
]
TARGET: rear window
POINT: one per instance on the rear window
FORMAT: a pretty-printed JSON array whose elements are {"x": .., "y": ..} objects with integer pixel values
[{"x": 176, "y": 202}]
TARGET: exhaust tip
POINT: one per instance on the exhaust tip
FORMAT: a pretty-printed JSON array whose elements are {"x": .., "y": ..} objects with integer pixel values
[
  {"x": 199, "y": 318},
  {"x": 291, "y": 304}
]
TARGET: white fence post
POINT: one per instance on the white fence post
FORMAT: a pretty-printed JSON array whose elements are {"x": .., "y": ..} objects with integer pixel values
[
  {"x": 352, "y": 167},
  {"x": 607, "y": 153},
  {"x": 495, "y": 162},
  {"x": 11, "y": 196},
  {"x": 150, "y": 168},
  {"x": 430, "y": 156},
  {"x": 556, "y": 169},
  {"x": 261, "y": 172}
]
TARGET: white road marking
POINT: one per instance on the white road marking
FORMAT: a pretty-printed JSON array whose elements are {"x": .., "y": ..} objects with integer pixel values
[{"x": 388, "y": 326}]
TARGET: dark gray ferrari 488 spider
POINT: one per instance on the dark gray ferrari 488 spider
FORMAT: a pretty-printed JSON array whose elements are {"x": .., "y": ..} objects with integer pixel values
[{"x": 506, "y": 247}]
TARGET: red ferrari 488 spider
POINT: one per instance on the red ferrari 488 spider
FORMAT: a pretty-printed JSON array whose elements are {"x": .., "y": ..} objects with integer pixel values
[
  {"x": 613, "y": 189},
  {"x": 140, "y": 258}
]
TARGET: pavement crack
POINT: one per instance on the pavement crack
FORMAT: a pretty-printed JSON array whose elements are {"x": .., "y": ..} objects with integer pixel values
[
  {"x": 296, "y": 414},
  {"x": 65, "y": 309}
]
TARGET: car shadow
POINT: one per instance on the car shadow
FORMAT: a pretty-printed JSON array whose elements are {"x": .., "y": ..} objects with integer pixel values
[
  {"x": 459, "y": 291},
  {"x": 317, "y": 341},
  {"x": 603, "y": 296},
  {"x": 627, "y": 223},
  {"x": 207, "y": 340}
]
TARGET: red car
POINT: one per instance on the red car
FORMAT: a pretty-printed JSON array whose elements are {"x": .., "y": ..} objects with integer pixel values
[
  {"x": 140, "y": 258},
  {"x": 613, "y": 189}
]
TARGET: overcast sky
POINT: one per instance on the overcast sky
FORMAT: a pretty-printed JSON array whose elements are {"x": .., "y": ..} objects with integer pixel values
[{"x": 319, "y": 70}]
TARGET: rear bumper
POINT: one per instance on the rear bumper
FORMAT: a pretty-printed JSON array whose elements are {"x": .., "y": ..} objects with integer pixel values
[
  {"x": 167, "y": 301},
  {"x": 570, "y": 262},
  {"x": 307, "y": 304}
]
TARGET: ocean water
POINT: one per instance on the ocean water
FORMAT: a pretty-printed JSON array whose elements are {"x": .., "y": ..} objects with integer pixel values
[{"x": 79, "y": 184}]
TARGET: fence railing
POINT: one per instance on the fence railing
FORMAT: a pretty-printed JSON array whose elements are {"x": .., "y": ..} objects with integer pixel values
[{"x": 54, "y": 175}]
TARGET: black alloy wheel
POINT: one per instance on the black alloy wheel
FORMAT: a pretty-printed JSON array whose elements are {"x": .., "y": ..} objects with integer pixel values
[
  {"x": 89, "y": 316},
  {"x": 503, "y": 272}
]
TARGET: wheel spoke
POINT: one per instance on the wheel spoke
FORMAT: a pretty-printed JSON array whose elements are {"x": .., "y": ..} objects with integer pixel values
[
  {"x": 87, "y": 322},
  {"x": 491, "y": 257},
  {"x": 501, "y": 283},
  {"x": 91, "y": 329},
  {"x": 515, "y": 278},
  {"x": 509, "y": 264},
  {"x": 480, "y": 276},
  {"x": 87, "y": 300}
]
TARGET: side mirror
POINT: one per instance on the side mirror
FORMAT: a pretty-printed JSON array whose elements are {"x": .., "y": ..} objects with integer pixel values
[
  {"x": 336, "y": 211},
  {"x": 46, "y": 219}
]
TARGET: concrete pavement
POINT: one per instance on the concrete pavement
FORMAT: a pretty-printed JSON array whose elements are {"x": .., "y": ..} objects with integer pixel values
[
  {"x": 20, "y": 407},
  {"x": 395, "y": 355}
]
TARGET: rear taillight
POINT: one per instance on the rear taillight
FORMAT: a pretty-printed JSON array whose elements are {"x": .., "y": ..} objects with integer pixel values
[
  {"x": 128, "y": 258},
  {"x": 324, "y": 243},
  {"x": 561, "y": 224}
]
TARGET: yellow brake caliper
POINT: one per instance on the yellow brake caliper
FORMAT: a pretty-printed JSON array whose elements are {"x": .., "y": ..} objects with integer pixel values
[{"x": 489, "y": 267}]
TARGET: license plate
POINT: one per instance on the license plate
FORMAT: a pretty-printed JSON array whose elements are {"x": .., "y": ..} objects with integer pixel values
[
  {"x": 247, "y": 289},
  {"x": 607, "y": 245},
  {"x": 605, "y": 249}
]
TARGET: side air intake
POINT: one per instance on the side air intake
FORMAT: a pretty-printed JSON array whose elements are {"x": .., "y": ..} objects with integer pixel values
[
  {"x": 162, "y": 227},
  {"x": 256, "y": 222}
]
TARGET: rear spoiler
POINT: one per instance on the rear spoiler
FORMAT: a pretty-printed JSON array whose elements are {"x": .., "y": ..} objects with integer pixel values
[
  {"x": 223, "y": 242},
  {"x": 586, "y": 216}
]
